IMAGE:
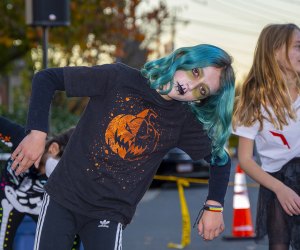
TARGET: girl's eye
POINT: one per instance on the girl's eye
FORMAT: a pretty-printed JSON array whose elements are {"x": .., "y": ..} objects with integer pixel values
[
  {"x": 203, "y": 91},
  {"x": 195, "y": 72}
]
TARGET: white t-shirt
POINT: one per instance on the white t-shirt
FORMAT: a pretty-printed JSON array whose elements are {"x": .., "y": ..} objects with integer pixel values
[{"x": 275, "y": 147}]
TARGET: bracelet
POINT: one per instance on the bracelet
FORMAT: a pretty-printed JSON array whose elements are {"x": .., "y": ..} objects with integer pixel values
[
  {"x": 213, "y": 208},
  {"x": 206, "y": 207}
]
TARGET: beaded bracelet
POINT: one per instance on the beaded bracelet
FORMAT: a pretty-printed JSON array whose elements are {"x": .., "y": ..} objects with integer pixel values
[{"x": 207, "y": 207}]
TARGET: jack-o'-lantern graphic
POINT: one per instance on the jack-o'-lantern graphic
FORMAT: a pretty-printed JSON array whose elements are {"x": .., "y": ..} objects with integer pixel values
[{"x": 130, "y": 136}]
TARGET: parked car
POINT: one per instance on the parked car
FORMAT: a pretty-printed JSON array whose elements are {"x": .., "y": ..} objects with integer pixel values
[{"x": 177, "y": 163}]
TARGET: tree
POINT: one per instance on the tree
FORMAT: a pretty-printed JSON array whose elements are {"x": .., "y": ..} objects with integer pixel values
[
  {"x": 100, "y": 30},
  {"x": 97, "y": 26}
]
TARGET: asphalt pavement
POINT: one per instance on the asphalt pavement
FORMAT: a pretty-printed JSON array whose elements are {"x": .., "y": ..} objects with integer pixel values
[{"x": 158, "y": 222}]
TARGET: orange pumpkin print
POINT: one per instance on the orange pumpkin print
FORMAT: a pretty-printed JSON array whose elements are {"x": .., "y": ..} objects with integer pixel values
[{"x": 130, "y": 136}]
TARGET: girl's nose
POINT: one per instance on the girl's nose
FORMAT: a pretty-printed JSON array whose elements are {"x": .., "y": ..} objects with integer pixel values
[{"x": 193, "y": 84}]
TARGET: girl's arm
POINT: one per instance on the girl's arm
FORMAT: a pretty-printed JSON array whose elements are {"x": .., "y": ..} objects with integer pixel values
[
  {"x": 31, "y": 148},
  {"x": 11, "y": 132},
  {"x": 211, "y": 225},
  {"x": 288, "y": 199}
]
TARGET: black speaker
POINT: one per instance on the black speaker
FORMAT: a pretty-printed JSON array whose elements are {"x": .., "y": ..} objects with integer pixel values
[{"x": 47, "y": 12}]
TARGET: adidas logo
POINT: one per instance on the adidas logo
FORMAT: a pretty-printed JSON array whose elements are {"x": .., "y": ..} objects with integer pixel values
[{"x": 104, "y": 223}]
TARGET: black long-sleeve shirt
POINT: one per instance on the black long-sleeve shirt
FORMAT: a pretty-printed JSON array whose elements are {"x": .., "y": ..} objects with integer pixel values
[{"x": 120, "y": 140}]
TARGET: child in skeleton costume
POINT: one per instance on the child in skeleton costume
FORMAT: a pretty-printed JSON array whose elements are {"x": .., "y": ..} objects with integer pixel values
[
  {"x": 267, "y": 113},
  {"x": 22, "y": 195},
  {"x": 134, "y": 117}
]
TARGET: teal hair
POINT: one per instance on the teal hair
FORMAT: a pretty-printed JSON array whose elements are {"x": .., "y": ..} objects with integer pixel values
[{"x": 215, "y": 112}]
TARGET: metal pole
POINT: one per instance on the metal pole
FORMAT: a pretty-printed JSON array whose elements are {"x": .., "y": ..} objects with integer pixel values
[{"x": 45, "y": 47}]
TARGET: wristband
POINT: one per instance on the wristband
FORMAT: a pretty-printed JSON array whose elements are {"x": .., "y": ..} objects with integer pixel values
[
  {"x": 206, "y": 207},
  {"x": 213, "y": 208}
]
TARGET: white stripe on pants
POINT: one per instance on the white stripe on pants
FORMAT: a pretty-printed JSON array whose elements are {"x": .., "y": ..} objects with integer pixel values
[
  {"x": 118, "y": 243},
  {"x": 41, "y": 221}
]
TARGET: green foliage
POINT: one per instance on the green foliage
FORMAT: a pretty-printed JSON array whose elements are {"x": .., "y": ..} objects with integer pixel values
[
  {"x": 4, "y": 148},
  {"x": 233, "y": 144},
  {"x": 110, "y": 22},
  {"x": 19, "y": 116},
  {"x": 61, "y": 116},
  {"x": 14, "y": 40},
  {"x": 100, "y": 31},
  {"x": 62, "y": 119}
]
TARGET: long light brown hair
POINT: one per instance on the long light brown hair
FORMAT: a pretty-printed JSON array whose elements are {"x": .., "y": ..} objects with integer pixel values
[{"x": 264, "y": 86}]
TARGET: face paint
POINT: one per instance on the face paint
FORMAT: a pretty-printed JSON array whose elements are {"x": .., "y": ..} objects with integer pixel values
[
  {"x": 202, "y": 92},
  {"x": 195, "y": 84},
  {"x": 195, "y": 73}
]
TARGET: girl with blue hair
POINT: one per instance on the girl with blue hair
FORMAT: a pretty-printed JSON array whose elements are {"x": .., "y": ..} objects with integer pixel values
[
  {"x": 133, "y": 118},
  {"x": 215, "y": 113}
]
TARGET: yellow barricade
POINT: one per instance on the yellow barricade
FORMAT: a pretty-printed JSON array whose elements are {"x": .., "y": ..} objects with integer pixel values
[{"x": 186, "y": 220}]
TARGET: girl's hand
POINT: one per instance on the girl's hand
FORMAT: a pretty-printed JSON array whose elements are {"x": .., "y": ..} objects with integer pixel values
[
  {"x": 211, "y": 224},
  {"x": 289, "y": 200},
  {"x": 29, "y": 151}
]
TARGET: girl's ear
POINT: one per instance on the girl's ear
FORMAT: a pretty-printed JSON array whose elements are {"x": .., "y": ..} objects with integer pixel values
[{"x": 53, "y": 149}]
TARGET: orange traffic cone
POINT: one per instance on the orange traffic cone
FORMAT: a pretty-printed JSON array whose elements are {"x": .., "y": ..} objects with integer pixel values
[{"x": 242, "y": 227}]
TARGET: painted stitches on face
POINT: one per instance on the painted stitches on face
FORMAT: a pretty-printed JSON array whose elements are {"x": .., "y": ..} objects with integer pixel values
[
  {"x": 195, "y": 84},
  {"x": 180, "y": 88}
]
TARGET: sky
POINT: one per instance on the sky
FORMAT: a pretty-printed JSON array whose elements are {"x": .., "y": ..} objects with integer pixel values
[{"x": 233, "y": 25}]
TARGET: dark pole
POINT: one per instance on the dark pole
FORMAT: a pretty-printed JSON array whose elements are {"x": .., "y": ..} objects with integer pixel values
[{"x": 45, "y": 47}]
